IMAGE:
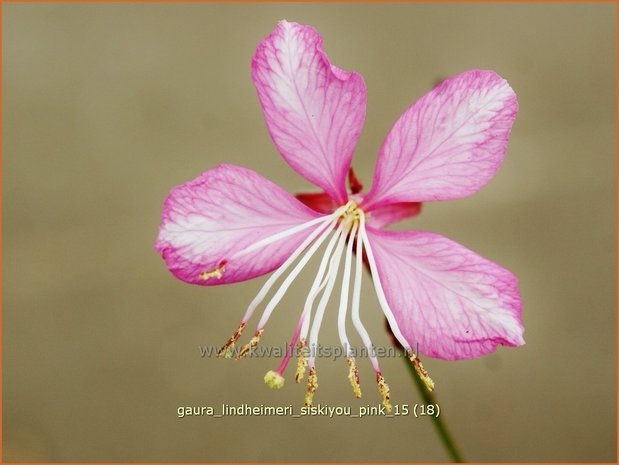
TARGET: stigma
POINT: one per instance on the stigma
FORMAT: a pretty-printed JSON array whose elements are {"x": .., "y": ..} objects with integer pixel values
[{"x": 344, "y": 242}]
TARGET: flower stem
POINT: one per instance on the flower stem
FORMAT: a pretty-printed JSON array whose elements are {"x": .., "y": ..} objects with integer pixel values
[{"x": 439, "y": 424}]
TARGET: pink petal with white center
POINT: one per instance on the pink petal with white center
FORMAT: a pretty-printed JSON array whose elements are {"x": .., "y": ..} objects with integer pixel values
[
  {"x": 205, "y": 222},
  {"x": 314, "y": 111},
  {"x": 448, "y": 302},
  {"x": 447, "y": 145}
]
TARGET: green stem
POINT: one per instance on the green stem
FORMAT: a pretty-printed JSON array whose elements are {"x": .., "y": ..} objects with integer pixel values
[{"x": 439, "y": 424}]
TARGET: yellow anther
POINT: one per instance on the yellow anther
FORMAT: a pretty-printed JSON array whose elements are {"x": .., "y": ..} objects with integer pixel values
[
  {"x": 214, "y": 273},
  {"x": 383, "y": 388},
  {"x": 423, "y": 374},
  {"x": 353, "y": 376},
  {"x": 352, "y": 214},
  {"x": 301, "y": 361},
  {"x": 227, "y": 349},
  {"x": 312, "y": 385},
  {"x": 250, "y": 345},
  {"x": 274, "y": 380}
]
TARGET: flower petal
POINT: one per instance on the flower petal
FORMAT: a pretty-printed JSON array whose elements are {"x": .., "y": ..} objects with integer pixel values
[
  {"x": 448, "y": 302},
  {"x": 448, "y": 144},
  {"x": 205, "y": 222},
  {"x": 392, "y": 213},
  {"x": 314, "y": 111},
  {"x": 319, "y": 201}
]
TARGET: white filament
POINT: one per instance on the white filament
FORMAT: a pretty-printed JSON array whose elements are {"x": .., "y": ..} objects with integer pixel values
[
  {"x": 356, "y": 296},
  {"x": 341, "y": 315},
  {"x": 379, "y": 289},
  {"x": 289, "y": 232},
  {"x": 324, "y": 299},
  {"x": 290, "y": 278},
  {"x": 267, "y": 286},
  {"x": 318, "y": 284},
  {"x": 325, "y": 278}
]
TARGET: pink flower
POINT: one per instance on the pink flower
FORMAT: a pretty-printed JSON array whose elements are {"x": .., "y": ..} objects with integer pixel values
[{"x": 231, "y": 224}]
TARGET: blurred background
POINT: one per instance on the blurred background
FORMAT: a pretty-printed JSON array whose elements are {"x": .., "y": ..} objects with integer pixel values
[{"x": 108, "y": 106}]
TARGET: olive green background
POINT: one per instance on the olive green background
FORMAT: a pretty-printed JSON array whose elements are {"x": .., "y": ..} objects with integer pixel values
[{"x": 107, "y": 107}]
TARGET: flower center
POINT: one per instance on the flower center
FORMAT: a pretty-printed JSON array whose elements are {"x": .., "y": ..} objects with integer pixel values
[
  {"x": 352, "y": 215},
  {"x": 345, "y": 231}
]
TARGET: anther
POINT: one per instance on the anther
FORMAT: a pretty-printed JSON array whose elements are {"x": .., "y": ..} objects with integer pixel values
[
  {"x": 301, "y": 361},
  {"x": 215, "y": 272},
  {"x": 353, "y": 376},
  {"x": 423, "y": 374},
  {"x": 227, "y": 348},
  {"x": 251, "y": 344},
  {"x": 312, "y": 385},
  {"x": 383, "y": 388},
  {"x": 274, "y": 380}
]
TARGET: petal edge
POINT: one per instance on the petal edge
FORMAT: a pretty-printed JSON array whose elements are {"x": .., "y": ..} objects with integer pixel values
[
  {"x": 314, "y": 110},
  {"x": 205, "y": 222},
  {"x": 448, "y": 144}
]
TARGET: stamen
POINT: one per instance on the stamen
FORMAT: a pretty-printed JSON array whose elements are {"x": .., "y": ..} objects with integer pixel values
[
  {"x": 341, "y": 316},
  {"x": 384, "y": 390},
  {"x": 423, "y": 374},
  {"x": 226, "y": 350},
  {"x": 251, "y": 344},
  {"x": 324, "y": 228},
  {"x": 356, "y": 296},
  {"x": 312, "y": 385},
  {"x": 353, "y": 376},
  {"x": 318, "y": 284},
  {"x": 312, "y": 382},
  {"x": 379, "y": 288},
  {"x": 304, "y": 319},
  {"x": 320, "y": 311},
  {"x": 301, "y": 361},
  {"x": 289, "y": 232},
  {"x": 274, "y": 380},
  {"x": 290, "y": 278}
]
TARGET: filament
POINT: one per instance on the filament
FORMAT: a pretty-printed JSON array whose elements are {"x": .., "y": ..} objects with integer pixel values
[
  {"x": 325, "y": 227},
  {"x": 320, "y": 310},
  {"x": 356, "y": 295},
  {"x": 341, "y": 316},
  {"x": 290, "y": 278},
  {"x": 289, "y": 232}
]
